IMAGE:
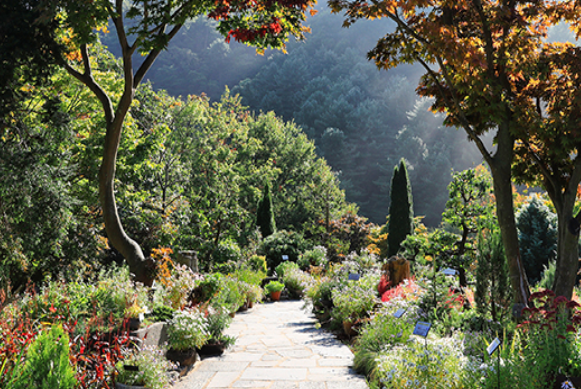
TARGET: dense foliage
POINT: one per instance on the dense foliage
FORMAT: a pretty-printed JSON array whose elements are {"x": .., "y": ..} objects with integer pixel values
[{"x": 189, "y": 176}]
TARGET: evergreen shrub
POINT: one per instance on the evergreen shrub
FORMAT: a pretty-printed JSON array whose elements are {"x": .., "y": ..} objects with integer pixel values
[
  {"x": 537, "y": 233},
  {"x": 401, "y": 213},
  {"x": 265, "y": 213},
  {"x": 47, "y": 364},
  {"x": 281, "y": 243}
]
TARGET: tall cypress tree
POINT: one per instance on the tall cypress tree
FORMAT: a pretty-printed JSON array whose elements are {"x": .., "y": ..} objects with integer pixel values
[
  {"x": 265, "y": 214},
  {"x": 401, "y": 212}
]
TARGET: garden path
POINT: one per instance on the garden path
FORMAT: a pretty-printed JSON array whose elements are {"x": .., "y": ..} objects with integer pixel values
[{"x": 277, "y": 347}]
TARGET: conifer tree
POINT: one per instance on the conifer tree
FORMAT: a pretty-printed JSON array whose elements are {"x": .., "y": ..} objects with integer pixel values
[
  {"x": 537, "y": 234},
  {"x": 492, "y": 281},
  {"x": 265, "y": 214},
  {"x": 401, "y": 213}
]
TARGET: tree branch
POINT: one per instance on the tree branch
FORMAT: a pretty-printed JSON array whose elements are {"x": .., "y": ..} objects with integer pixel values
[
  {"x": 455, "y": 103},
  {"x": 151, "y": 58},
  {"x": 87, "y": 79}
]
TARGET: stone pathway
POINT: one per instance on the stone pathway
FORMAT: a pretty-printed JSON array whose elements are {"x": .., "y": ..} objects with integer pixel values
[{"x": 277, "y": 347}]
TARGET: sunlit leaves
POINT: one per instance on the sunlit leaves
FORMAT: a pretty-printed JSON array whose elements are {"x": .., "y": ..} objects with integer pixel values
[{"x": 470, "y": 47}]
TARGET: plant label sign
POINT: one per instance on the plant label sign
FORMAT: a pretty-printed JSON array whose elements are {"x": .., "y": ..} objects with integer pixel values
[
  {"x": 354, "y": 277},
  {"x": 399, "y": 313},
  {"x": 493, "y": 346},
  {"x": 285, "y": 257},
  {"x": 450, "y": 272},
  {"x": 422, "y": 328}
]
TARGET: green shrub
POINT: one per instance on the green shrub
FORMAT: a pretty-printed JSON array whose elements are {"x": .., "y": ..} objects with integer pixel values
[
  {"x": 355, "y": 300},
  {"x": 255, "y": 293},
  {"x": 230, "y": 295},
  {"x": 548, "y": 277},
  {"x": 47, "y": 364},
  {"x": 209, "y": 287},
  {"x": 382, "y": 332},
  {"x": 228, "y": 251},
  {"x": 362, "y": 262},
  {"x": 162, "y": 313},
  {"x": 547, "y": 336},
  {"x": 321, "y": 294},
  {"x": 492, "y": 294},
  {"x": 315, "y": 257},
  {"x": 218, "y": 320},
  {"x": 249, "y": 276},
  {"x": 282, "y": 243},
  {"x": 284, "y": 267},
  {"x": 438, "y": 363},
  {"x": 104, "y": 299},
  {"x": 258, "y": 263}
]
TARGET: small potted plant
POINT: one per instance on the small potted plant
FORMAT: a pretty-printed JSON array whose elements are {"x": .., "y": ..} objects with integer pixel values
[
  {"x": 274, "y": 288},
  {"x": 145, "y": 368},
  {"x": 187, "y": 330},
  {"x": 254, "y": 294},
  {"x": 218, "y": 321}
]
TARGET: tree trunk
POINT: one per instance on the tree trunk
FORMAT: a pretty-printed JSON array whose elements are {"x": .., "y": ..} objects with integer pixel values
[
  {"x": 141, "y": 267},
  {"x": 501, "y": 177},
  {"x": 138, "y": 265},
  {"x": 567, "y": 259},
  {"x": 567, "y": 241},
  {"x": 462, "y": 277}
]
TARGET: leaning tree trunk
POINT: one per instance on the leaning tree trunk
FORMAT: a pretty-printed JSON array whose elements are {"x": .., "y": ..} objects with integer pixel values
[
  {"x": 141, "y": 267},
  {"x": 130, "y": 250},
  {"x": 501, "y": 178}
]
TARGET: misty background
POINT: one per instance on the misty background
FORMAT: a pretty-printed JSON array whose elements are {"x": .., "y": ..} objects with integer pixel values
[{"x": 362, "y": 120}]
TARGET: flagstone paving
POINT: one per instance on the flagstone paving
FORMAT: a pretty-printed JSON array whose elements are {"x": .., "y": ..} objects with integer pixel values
[{"x": 277, "y": 347}]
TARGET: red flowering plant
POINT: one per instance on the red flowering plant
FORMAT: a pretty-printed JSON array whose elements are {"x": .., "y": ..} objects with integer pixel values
[
  {"x": 17, "y": 332},
  {"x": 550, "y": 334},
  {"x": 95, "y": 355},
  {"x": 406, "y": 290}
]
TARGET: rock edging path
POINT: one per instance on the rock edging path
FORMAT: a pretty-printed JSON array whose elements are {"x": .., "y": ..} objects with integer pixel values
[{"x": 277, "y": 347}]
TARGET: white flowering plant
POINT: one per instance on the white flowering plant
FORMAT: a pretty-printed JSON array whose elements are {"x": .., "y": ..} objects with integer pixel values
[
  {"x": 188, "y": 329},
  {"x": 146, "y": 367},
  {"x": 382, "y": 331},
  {"x": 297, "y": 282},
  {"x": 438, "y": 363},
  {"x": 356, "y": 299}
]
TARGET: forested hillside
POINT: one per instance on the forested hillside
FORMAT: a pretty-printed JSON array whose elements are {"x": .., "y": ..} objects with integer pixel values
[
  {"x": 189, "y": 176},
  {"x": 362, "y": 120}
]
